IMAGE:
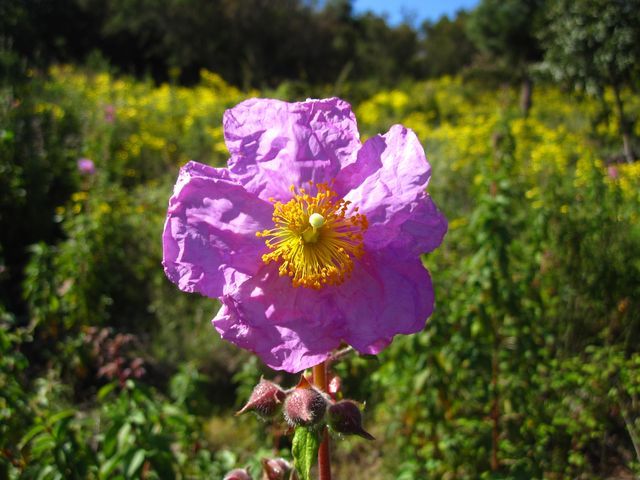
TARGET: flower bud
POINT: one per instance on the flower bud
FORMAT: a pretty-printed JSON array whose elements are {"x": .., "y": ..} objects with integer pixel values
[
  {"x": 277, "y": 469},
  {"x": 238, "y": 474},
  {"x": 304, "y": 407},
  {"x": 345, "y": 418},
  {"x": 265, "y": 399}
]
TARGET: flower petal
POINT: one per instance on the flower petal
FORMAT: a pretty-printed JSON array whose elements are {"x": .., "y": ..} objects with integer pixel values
[
  {"x": 288, "y": 328},
  {"x": 366, "y": 163},
  {"x": 279, "y": 347},
  {"x": 295, "y": 328},
  {"x": 209, "y": 236},
  {"x": 385, "y": 297},
  {"x": 416, "y": 230},
  {"x": 275, "y": 144},
  {"x": 387, "y": 183}
]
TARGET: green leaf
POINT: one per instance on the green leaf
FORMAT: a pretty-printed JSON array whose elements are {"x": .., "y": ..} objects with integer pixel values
[
  {"x": 60, "y": 416},
  {"x": 110, "y": 441},
  {"x": 29, "y": 435},
  {"x": 172, "y": 410},
  {"x": 124, "y": 436},
  {"x": 137, "y": 417},
  {"x": 107, "y": 468},
  {"x": 46, "y": 472},
  {"x": 136, "y": 462},
  {"x": 306, "y": 443},
  {"x": 106, "y": 390},
  {"x": 42, "y": 444}
]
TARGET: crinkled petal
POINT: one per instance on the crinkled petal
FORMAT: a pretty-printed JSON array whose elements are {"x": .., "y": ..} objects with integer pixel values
[
  {"x": 387, "y": 183},
  {"x": 275, "y": 144},
  {"x": 279, "y": 347},
  {"x": 209, "y": 236},
  {"x": 367, "y": 162},
  {"x": 288, "y": 328},
  {"x": 385, "y": 297},
  {"x": 295, "y": 328},
  {"x": 418, "y": 229}
]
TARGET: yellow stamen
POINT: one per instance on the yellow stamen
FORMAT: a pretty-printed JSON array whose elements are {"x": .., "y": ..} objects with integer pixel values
[{"x": 313, "y": 239}]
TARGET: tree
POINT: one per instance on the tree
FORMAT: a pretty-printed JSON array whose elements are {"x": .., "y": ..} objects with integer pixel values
[
  {"x": 594, "y": 44},
  {"x": 382, "y": 52},
  {"x": 446, "y": 47},
  {"x": 506, "y": 31}
]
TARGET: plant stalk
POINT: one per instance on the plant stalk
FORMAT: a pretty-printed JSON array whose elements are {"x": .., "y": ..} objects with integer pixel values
[{"x": 324, "y": 460}]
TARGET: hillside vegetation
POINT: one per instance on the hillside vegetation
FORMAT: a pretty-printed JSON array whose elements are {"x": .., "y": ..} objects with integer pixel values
[{"x": 529, "y": 367}]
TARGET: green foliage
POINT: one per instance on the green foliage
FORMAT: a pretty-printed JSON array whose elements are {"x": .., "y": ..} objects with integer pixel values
[
  {"x": 447, "y": 47},
  {"x": 14, "y": 412},
  {"x": 514, "y": 376},
  {"x": 132, "y": 430},
  {"x": 506, "y": 30},
  {"x": 306, "y": 442},
  {"x": 241, "y": 39},
  {"x": 529, "y": 367},
  {"x": 37, "y": 173},
  {"x": 593, "y": 43},
  {"x": 55, "y": 449}
]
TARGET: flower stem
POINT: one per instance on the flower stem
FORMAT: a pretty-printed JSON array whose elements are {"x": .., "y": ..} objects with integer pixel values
[{"x": 324, "y": 462}]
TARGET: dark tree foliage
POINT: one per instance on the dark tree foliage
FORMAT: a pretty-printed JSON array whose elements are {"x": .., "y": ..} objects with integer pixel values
[
  {"x": 37, "y": 173},
  {"x": 594, "y": 44},
  {"x": 49, "y": 31},
  {"x": 446, "y": 48},
  {"x": 381, "y": 51},
  {"x": 249, "y": 42},
  {"x": 506, "y": 31}
]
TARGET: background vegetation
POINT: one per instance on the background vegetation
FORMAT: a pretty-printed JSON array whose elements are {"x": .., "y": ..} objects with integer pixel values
[{"x": 529, "y": 368}]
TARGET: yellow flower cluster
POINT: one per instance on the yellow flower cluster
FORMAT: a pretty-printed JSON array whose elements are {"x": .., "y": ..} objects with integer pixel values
[
  {"x": 382, "y": 104},
  {"x": 128, "y": 121},
  {"x": 138, "y": 129},
  {"x": 457, "y": 122},
  {"x": 629, "y": 178}
]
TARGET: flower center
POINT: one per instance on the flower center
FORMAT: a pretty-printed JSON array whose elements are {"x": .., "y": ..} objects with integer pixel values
[{"x": 313, "y": 239}]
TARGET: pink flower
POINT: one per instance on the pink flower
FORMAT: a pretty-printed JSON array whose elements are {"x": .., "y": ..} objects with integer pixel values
[
  {"x": 86, "y": 166},
  {"x": 109, "y": 113},
  {"x": 310, "y": 238}
]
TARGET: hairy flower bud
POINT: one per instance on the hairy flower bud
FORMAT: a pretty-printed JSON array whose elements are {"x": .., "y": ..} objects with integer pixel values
[
  {"x": 265, "y": 399},
  {"x": 304, "y": 407},
  {"x": 238, "y": 474},
  {"x": 277, "y": 469},
  {"x": 345, "y": 418}
]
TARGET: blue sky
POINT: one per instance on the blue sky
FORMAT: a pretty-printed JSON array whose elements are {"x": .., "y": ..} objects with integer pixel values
[{"x": 416, "y": 10}]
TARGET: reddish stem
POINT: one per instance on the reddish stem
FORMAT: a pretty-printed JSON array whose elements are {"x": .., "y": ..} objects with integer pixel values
[{"x": 324, "y": 461}]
